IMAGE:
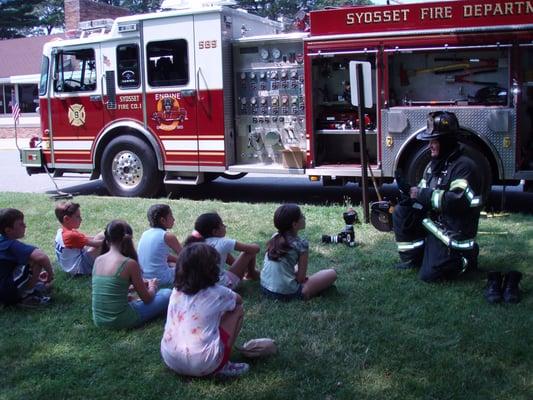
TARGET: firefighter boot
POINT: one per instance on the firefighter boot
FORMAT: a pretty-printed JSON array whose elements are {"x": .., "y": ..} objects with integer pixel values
[
  {"x": 493, "y": 290},
  {"x": 511, "y": 291},
  {"x": 471, "y": 258},
  {"x": 409, "y": 260}
]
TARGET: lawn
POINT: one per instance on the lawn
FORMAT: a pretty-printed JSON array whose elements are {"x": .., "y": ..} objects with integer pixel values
[{"x": 378, "y": 334}]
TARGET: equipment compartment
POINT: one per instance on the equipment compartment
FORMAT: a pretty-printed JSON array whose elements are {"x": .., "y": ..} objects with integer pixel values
[
  {"x": 454, "y": 77},
  {"x": 336, "y": 120}
]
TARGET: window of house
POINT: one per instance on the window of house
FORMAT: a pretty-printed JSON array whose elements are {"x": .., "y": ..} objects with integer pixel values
[
  {"x": 128, "y": 66},
  {"x": 75, "y": 71},
  {"x": 6, "y": 94},
  {"x": 2, "y": 102},
  {"x": 168, "y": 63},
  {"x": 28, "y": 98}
]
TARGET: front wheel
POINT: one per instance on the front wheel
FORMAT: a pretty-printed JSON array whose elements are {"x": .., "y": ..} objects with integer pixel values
[{"x": 129, "y": 168}]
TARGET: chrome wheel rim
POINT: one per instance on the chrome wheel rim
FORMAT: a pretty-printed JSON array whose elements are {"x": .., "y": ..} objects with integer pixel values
[{"x": 127, "y": 169}]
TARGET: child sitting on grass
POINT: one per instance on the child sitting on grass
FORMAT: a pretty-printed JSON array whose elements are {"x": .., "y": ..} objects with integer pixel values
[
  {"x": 210, "y": 229},
  {"x": 283, "y": 276},
  {"x": 22, "y": 266},
  {"x": 154, "y": 247},
  {"x": 203, "y": 318},
  {"x": 114, "y": 271},
  {"x": 75, "y": 251}
]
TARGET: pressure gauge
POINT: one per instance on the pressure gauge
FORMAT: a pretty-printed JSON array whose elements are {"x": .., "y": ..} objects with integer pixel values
[
  {"x": 276, "y": 53},
  {"x": 263, "y": 53}
]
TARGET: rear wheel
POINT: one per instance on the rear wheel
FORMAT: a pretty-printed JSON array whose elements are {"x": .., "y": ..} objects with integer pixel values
[
  {"x": 418, "y": 162},
  {"x": 129, "y": 168}
]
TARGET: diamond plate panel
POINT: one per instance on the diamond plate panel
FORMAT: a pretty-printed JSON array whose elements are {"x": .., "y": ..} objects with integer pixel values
[{"x": 489, "y": 123}]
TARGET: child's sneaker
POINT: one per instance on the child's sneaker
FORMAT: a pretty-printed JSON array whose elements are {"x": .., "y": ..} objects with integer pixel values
[
  {"x": 43, "y": 289},
  {"x": 232, "y": 370},
  {"x": 34, "y": 301}
]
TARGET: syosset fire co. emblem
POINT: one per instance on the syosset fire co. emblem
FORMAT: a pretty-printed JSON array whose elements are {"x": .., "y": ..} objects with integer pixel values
[
  {"x": 76, "y": 115},
  {"x": 169, "y": 115}
]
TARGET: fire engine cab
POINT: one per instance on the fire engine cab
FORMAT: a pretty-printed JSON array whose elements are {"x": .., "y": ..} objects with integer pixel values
[{"x": 186, "y": 95}]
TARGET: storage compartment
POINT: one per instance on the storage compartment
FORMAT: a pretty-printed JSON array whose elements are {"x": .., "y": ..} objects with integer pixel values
[
  {"x": 449, "y": 77},
  {"x": 336, "y": 120}
]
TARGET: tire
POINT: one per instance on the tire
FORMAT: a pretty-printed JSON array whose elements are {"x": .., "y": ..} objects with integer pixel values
[
  {"x": 233, "y": 177},
  {"x": 129, "y": 168},
  {"x": 418, "y": 162},
  {"x": 210, "y": 177}
]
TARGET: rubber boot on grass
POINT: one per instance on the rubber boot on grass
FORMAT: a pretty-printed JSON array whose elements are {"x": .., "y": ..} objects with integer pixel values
[
  {"x": 511, "y": 290},
  {"x": 493, "y": 290}
]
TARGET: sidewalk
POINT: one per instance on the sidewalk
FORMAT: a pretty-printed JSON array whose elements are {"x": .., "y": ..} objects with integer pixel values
[{"x": 9, "y": 144}]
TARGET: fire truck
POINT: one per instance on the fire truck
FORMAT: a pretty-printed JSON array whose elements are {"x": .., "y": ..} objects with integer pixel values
[{"x": 183, "y": 96}]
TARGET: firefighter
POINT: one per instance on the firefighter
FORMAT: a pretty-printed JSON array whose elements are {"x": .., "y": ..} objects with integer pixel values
[{"x": 436, "y": 222}]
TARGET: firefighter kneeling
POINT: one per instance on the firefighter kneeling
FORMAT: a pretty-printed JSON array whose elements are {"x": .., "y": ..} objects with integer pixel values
[{"x": 436, "y": 222}]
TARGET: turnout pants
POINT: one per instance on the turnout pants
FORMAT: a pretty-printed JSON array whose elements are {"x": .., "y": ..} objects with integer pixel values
[{"x": 438, "y": 260}]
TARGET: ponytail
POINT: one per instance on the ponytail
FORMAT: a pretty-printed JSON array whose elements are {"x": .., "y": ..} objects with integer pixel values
[
  {"x": 277, "y": 247},
  {"x": 204, "y": 226},
  {"x": 194, "y": 237},
  {"x": 119, "y": 233},
  {"x": 284, "y": 216}
]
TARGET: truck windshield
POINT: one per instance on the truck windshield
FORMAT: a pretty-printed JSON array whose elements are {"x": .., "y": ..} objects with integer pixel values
[{"x": 43, "y": 83}]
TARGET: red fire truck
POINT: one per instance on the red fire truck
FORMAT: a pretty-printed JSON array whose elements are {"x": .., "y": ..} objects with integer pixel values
[{"x": 186, "y": 95}]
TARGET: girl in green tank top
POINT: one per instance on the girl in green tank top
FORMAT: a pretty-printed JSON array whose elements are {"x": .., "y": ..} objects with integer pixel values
[{"x": 113, "y": 273}]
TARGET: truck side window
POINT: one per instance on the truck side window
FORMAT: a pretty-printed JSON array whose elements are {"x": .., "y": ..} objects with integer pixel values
[
  {"x": 75, "y": 71},
  {"x": 43, "y": 82},
  {"x": 168, "y": 63},
  {"x": 128, "y": 66}
]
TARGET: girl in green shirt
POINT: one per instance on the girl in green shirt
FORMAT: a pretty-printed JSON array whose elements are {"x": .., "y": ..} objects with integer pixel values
[
  {"x": 113, "y": 273},
  {"x": 284, "y": 273}
]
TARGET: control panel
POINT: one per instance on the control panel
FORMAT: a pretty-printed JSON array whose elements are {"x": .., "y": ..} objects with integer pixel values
[{"x": 270, "y": 101}]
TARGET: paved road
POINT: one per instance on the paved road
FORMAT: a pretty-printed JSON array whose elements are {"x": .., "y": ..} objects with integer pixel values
[{"x": 253, "y": 188}]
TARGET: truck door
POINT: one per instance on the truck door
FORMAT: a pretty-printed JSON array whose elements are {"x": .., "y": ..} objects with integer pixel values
[
  {"x": 171, "y": 89},
  {"x": 76, "y": 105},
  {"x": 523, "y": 94}
]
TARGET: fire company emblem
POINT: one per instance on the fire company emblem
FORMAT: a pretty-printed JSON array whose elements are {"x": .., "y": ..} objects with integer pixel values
[
  {"x": 76, "y": 115},
  {"x": 169, "y": 114}
]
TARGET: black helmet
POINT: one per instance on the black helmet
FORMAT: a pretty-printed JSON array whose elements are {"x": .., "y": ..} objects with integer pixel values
[{"x": 440, "y": 124}]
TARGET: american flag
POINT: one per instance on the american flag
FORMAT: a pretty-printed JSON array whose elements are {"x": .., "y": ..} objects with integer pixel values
[{"x": 15, "y": 110}]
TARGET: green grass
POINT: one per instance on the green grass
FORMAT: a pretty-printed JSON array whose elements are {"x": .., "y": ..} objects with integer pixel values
[{"x": 379, "y": 334}]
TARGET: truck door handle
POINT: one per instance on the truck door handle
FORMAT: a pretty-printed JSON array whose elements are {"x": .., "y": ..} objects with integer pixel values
[
  {"x": 188, "y": 93},
  {"x": 95, "y": 97}
]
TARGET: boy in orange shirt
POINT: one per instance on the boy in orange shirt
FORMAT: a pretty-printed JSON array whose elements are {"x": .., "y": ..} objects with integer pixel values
[{"x": 75, "y": 251}]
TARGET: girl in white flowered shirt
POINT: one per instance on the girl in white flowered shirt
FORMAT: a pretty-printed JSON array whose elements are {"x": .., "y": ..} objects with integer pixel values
[{"x": 203, "y": 319}]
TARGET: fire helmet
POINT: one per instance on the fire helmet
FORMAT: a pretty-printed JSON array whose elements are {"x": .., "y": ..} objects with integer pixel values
[
  {"x": 381, "y": 215},
  {"x": 440, "y": 124}
]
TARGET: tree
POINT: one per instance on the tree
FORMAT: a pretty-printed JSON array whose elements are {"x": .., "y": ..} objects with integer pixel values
[
  {"x": 16, "y": 16},
  {"x": 275, "y": 9},
  {"x": 319, "y": 4},
  {"x": 51, "y": 15},
  {"x": 137, "y": 6},
  {"x": 287, "y": 9}
]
